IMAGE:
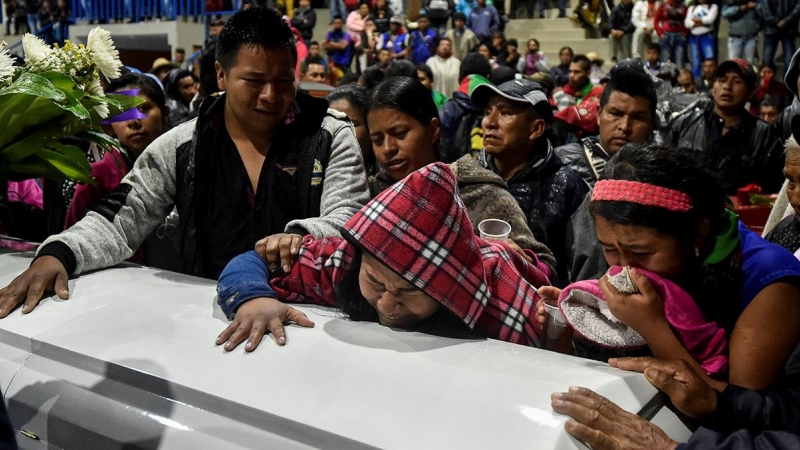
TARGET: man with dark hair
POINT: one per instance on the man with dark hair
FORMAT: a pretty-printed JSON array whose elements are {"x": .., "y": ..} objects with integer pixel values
[
  {"x": 460, "y": 118},
  {"x": 579, "y": 87},
  {"x": 769, "y": 110},
  {"x": 305, "y": 19},
  {"x": 686, "y": 81},
  {"x": 517, "y": 118},
  {"x": 709, "y": 72},
  {"x": 627, "y": 114},
  {"x": 463, "y": 39},
  {"x": 483, "y": 21},
  {"x": 560, "y": 73},
  {"x": 729, "y": 141},
  {"x": 315, "y": 72},
  {"x": 422, "y": 40},
  {"x": 313, "y": 56},
  {"x": 445, "y": 67},
  {"x": 426, "y": 77},
  {"x": 261, "y": 159},
  {"x": 338, "y": 45}
]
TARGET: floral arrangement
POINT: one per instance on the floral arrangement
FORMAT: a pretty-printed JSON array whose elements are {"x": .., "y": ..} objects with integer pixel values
[{"x": 54, "y": 101}]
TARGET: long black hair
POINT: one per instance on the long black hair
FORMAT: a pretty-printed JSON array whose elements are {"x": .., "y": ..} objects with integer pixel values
[
  {"x": 713, "y": 286},
  {"x": 411, "y": 97}
]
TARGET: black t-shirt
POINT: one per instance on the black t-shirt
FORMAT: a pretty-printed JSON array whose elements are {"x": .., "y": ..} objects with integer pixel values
[{"x": 244, "y": 216}]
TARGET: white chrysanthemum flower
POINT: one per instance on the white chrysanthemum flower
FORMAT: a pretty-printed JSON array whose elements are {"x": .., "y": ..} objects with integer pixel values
[
  {"x": 36, "y": 50},
  {"x": 102, "y": 110},
  {"x": 6, "y": 63},
  {"x": 105, "y": 56},
  {"x": 95, "y": 88}
]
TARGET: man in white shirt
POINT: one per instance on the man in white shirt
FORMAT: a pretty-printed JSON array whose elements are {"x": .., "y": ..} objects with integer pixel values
[
  {"x": 445, "y": 68},
  {"x": 643, "y": 13}
]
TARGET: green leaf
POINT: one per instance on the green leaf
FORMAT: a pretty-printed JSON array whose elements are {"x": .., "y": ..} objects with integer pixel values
[
  {"x": 51, "y": 163},
  {"x": 28, "y": 144},
  {"x": 123, "y": 102},
  {"x": 78, "y": 170},
  {"x": 40, "y": 111},
  {"x": 34, "y": 84},
  {"x": 98, "y": 138}
]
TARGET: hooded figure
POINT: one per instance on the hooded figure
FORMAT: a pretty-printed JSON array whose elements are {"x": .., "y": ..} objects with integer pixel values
[{"x": 417, "y": 230}]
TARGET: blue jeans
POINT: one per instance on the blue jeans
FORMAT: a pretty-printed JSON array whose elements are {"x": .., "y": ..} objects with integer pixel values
[
  {"x": 338, "y": 9},
  {"x": 61, "y": 32},
  {"x": 32, "y": 19},
  {"x": 673, "y": 45},
  {"x": 86, "y": 6},
  {"x": 771, "y": 47},
  {"x": 742, "y": 48},
  {"x": 701, "y": 48}
]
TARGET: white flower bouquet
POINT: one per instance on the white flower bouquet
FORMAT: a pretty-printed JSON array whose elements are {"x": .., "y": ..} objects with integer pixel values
[{"x": 54, "y": 101}]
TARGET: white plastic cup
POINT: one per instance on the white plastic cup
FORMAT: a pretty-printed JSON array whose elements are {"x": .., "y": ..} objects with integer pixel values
[
  {"x": 555, "y": 328},
  {"x": 494, "y": 230}
]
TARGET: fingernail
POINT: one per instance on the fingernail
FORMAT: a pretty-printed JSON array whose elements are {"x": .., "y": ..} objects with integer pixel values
[
  {"x": 25, "y": 309},
  {"x": 249, "y": 345},
  {"x": 294, "y": 249},
  {"x": 281, "y": 340},
  {"x": 286, "y": 268},
  {"x": 557, "y": 394},
  {"x": 573, "y": 388}
]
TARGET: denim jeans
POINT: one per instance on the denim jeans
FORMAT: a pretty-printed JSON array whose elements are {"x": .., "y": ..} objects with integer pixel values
[
  {"x": 338, "y": 9},
  {"x": 673, "y": 47},
  {"x": 701, "y": 48},
  {"x": 61, "y": 32},
  {"x": 771, "y": 47},
  {"x": 86, "y": 6},
  {"x": 742, "y": 48},
  {"x": 32, "y": 20}
]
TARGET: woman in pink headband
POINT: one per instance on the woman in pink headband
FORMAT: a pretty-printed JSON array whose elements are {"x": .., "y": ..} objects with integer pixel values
[{"x": 656, "y": 209}]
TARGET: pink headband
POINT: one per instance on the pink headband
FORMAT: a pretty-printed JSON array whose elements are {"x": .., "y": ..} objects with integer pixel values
[{"x": 641, "y": 193}]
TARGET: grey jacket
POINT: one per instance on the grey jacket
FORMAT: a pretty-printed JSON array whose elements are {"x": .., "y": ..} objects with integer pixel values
[
  {"x": 743, "y": 24},
  {"x": 147, "y": 195}
]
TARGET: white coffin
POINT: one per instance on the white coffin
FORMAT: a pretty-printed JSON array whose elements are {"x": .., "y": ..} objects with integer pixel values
[{"x": 129, "y": 361}]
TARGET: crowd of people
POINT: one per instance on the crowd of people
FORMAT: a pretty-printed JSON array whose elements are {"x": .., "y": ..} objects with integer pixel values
[
  {"x": 362, "y": 46},
  {"x": 370, "y": 202}
]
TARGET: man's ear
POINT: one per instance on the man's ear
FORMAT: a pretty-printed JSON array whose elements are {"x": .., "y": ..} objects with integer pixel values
[
  {"x": 538, "y": 127},
  {"x": 220, "y": 76}
]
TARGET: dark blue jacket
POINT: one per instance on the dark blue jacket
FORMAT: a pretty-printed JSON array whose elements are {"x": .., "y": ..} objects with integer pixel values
[
  {"x": 548, "y": 192},
  {"x": 450, "y": 117}
]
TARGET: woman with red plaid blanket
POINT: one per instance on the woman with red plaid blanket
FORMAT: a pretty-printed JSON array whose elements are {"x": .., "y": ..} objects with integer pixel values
[{"x": 409, "y": 257}]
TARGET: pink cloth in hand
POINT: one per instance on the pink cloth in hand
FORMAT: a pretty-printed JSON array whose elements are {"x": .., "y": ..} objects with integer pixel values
[{"x": 585, "y": 308}]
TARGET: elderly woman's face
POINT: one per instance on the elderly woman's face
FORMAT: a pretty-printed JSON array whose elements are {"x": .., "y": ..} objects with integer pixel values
[
  {"x": 642, "y": 247},
  {"x": 397, "y": 302}
]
